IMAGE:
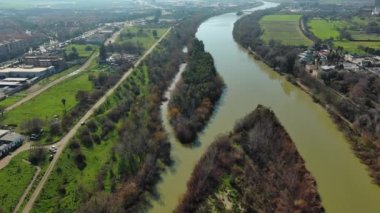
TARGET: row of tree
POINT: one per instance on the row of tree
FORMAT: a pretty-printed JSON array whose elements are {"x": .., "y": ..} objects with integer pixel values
[
  {"x": 262, "y": 168},
  {"x": 196, "y": 95}
]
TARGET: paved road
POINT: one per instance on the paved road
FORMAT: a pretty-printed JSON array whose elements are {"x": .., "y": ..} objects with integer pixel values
[
  {"x": 51, "y": 84},
  {"x": 66, "y": 139}
]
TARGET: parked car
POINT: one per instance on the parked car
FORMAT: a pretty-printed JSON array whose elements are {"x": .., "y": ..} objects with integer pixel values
[{"x": 36, "y": 136}]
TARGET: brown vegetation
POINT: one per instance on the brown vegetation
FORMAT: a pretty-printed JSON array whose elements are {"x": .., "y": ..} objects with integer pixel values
[{"x": 263, "y": 167}]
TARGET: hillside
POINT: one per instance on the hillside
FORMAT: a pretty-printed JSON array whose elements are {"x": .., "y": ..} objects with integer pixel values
[{"x": 255, "y": 168}]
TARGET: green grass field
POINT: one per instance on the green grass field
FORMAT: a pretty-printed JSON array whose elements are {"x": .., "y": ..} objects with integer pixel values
[
  {"x": 48, "y": 104},
  {"x": 81, "y": 48},
  {"x": 14, "y": 179},
  {"x": 326, "y": 29},
  {"x": 75, "y": 182},
  {"x": 13, "y": 99},
  {"x": 284, "y": 28},
  {"x": 145, "y": 36},
  {"x": 353, "y": 47}
]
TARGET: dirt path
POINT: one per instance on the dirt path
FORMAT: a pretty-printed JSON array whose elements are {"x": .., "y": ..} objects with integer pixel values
[
  {"x": 51, "y": 84},
  {"x": 65, "y": 140},
  {"x": 22, "y": 199}
]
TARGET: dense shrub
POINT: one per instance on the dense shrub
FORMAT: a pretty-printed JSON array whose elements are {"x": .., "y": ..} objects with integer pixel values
[
  {"x": 196, "y": 95},
  {"x": 263, "y": 167}
]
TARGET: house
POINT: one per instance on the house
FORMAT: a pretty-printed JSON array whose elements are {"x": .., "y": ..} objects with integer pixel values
[
  {"x": 350, "y": 66},
  {"x": 327, "y": 68}
]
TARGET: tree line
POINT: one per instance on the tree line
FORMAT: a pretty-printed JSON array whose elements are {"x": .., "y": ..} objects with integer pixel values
[
  {"x": 262, "y": 167},
  {"x": 196, "y": 95}
]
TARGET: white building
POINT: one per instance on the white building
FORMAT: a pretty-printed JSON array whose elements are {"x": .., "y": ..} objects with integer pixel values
[
  {"x": 376, "y": 12},
  {"x": 26, "y": 72}
]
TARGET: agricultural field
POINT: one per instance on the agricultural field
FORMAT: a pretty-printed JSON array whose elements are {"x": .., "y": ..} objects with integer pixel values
[
  {"x": 326, "y": 28},
  {"x": 15, "y": 178},
  {"x": 329, "y": 29},
  {"x": 353, "y": 47},
  {"x": 145, "y": 36},
  {"x": 356, "y": 27},
  {"x": 284, "y": 28}
]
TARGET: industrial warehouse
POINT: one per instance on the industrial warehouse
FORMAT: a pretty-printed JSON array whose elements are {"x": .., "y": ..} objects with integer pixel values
[{"x": 9, "y": 141}]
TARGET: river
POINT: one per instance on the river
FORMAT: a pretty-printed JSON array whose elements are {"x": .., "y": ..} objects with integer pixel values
[{"x": 343, "y": 182}]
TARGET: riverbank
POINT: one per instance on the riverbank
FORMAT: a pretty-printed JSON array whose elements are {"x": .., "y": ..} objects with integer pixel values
[
  {"x": 368, "y": 152},
  {"x": 343, "y": 183}
]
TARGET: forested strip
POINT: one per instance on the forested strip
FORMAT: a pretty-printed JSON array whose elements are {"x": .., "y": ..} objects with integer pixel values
[
  {"x": 255, "y": 168},
  {"x": 196, "y": 95}
]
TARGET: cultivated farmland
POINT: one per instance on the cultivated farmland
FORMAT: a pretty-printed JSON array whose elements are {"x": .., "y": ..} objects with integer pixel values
[
  {"x": 326, "y": 28},
  {"x": 355, "y": 26},
  {"x": 284, "y": 28}
]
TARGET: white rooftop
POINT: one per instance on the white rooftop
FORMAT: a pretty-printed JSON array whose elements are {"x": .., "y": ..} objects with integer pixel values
[
  {"x": 21, "y": 69},
  {"x": 15, "y": 79},
  {"x": 9, "y": 83},
  {"x": 3, "y": 132}
]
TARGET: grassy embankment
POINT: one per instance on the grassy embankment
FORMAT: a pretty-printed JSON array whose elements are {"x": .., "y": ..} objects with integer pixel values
[
  {"x": 329, "y": 29},
  {"x": 14, "y": 179},
  {"x": 284, "y": 28}
]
